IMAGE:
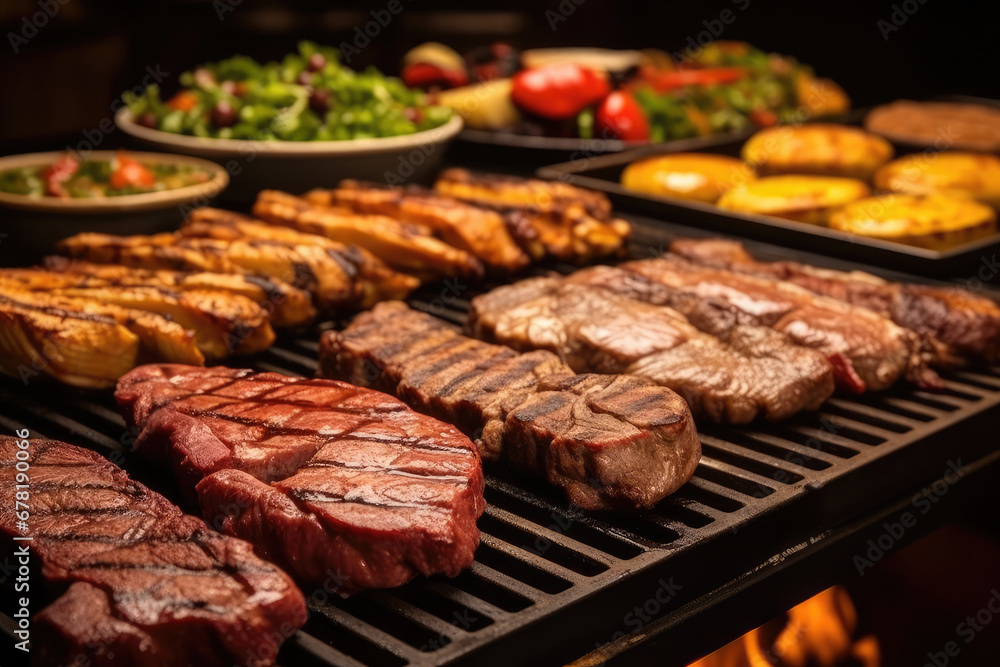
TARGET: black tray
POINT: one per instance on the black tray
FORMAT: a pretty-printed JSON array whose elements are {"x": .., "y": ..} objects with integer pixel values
[{"x": 603, "y": 173}]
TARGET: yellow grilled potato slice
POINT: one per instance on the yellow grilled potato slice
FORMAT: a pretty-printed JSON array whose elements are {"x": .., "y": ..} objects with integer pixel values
[
  {"x": 804, "y": 198},
  {"x": 956, "y": 174},
  {"x": 693, "y": 176},
  {"x": 823, "y": 149},
  {"x": 931, "y": 221}
]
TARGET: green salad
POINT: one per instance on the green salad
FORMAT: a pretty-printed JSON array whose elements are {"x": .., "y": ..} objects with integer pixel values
[
  {"x": 68, "y": 177},
  {"x": 308, "y": 96}
]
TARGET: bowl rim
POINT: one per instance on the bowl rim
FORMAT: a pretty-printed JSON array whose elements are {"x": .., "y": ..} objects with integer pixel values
[
  {"x": 137, "y": 202},
  {"x": 282, "y": 148}
]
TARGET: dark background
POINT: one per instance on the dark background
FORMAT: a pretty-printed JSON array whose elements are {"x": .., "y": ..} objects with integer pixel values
[{"x": 62, "y": 82}]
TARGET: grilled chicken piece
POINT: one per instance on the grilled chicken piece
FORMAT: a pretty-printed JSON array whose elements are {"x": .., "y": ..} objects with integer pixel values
[
  {"x": 959, "y": 325},
  {"x": 339, "y": 276},
  {"x": 404, "y": 247},
  {"x": 287, "y": 306},
  {"x": 876, "y": 352},
  {"x": 547, "y": 219},
  {"x": 476, "y": 230},
  {"x": 83, "y": 342},
  {"x": 755, "y": 371},
  {"x": 509, "y": 192},
  {"x": 371, "y": 279},
  {"x": 223, "y": 324}
]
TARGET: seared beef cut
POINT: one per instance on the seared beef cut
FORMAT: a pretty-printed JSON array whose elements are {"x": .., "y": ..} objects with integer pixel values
[
  {"x": 714, "y": 300},
  {"x": 609, "y": 441},
  {"x": 965, "y": 327},
  {"x": 756, "y": 371},
  {"x": 147, "y": 584},
  {"x": 331, "y": 481}
]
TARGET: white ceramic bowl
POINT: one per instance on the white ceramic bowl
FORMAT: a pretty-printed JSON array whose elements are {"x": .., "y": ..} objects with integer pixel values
[
  {"x": 297, "y": 166},
  {"x": 33, "y": 224}
]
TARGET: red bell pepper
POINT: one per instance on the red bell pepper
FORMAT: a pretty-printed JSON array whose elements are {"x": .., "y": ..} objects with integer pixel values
[
  {"x": 425, "y": 75},
  {"x": 663, "y": 82},
  {"x": 558, "y": 91},
  {"x": 130, "y": 172},
  {"x": 621, "y": 117},
  {"x": 57, "y": 173}
]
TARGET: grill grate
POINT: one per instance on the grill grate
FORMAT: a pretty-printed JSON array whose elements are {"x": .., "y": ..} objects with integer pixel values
[{"x": 549, "y": 582}]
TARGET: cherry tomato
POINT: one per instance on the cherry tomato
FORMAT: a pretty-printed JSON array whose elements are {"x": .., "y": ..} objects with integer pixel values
[
  {"x": 183, "y": 101},
  {"x": 130, "y": 172},
  {"x": 558, "y": 91},
  {"x": 425, "y": 75},
  {"x": 57, "y": 173},
  {"x": 621, "y": 117}
]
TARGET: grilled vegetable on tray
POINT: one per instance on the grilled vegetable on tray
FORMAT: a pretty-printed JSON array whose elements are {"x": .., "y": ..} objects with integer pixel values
[
  {"x": 728, "y": 86},
  {"x": 822, "y": 174}
]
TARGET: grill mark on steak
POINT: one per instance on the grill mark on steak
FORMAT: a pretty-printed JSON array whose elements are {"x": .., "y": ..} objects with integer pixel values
[
  {"x": 579, "y": 432},
  {"x": 108, "y": 615},
  {"x": 284, "y": 454}
]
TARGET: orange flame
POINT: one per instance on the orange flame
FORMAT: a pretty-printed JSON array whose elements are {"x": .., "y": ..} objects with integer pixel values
[{"x": 819, "y": 632}]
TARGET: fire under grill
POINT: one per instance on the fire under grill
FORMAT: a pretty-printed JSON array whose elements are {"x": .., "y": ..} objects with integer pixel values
[{"x": 549, "y": 584}]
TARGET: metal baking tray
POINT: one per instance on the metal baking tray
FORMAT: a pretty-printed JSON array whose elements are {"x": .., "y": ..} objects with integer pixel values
[{"x": 603, "y": 173}]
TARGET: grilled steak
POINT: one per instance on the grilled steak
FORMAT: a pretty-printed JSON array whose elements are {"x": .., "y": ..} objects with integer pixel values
[
  {"x": 756, "y": 371},
  {"x": 964, "y": 327},
  {"x": 608, "y": 441},
  {"x": 476, "y": 230},
  {"x": 548, "y": 219},
  {"x": 147, "y": 584},
  {"x": 286, "y": 306},
  {"x": 402, "y": 246},
  {"x": 328, "y": 480},
  {"x": 878, "y": 351}
]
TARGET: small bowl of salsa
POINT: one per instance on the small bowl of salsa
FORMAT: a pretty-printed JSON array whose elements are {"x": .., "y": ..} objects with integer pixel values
[{"x": 45, "y": 197}]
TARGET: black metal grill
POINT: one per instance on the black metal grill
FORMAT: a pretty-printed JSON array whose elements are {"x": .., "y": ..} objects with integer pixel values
[{"x": 550, "y": 583}]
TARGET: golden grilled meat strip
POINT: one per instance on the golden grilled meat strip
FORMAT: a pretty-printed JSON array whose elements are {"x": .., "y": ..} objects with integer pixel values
[
  {"x": 287, "y": 306},
  {"x": 84, "y": 342},
  {"x": 339, "y": 276},
  {"x": 507, "y": 192},
  {"x": 482, "y": 232},
  {"x": 548, "y": 219},
  {"x": 402, "y": 246},
  {"x": 80, "y": 349},
  {"x": 223, "y": 324},
  {"x": 373, "y": 280}
]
